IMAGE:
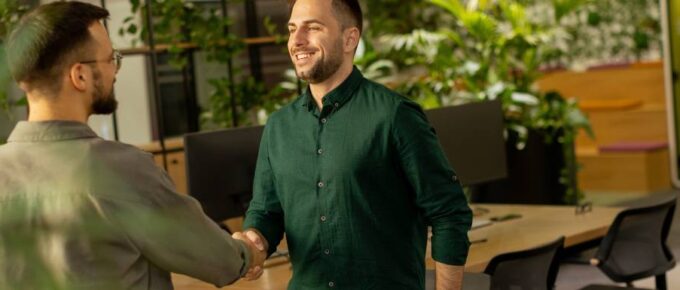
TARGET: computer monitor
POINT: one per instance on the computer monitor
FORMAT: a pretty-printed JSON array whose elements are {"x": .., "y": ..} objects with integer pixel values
[
  {"x": 220, "y": 168},
  {"x": 220, "y": 165},
  {"x": 471, "y": 136}
]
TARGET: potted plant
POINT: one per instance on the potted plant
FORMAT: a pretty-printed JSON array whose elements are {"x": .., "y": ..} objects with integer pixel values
[{"x": 491, "y": 50}]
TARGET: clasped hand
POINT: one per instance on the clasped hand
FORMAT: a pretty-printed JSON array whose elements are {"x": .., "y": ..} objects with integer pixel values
[{"x": 258, "y": 252}]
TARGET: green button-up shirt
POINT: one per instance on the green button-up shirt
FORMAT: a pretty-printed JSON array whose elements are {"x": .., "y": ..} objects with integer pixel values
[{"x": 355, "y": 186}]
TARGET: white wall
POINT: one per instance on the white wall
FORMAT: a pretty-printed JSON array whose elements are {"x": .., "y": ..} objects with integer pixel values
[{"x": 131, "y": 87}]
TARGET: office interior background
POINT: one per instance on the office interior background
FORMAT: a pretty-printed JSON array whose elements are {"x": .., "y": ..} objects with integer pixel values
[{"x": 586, "y": 93}]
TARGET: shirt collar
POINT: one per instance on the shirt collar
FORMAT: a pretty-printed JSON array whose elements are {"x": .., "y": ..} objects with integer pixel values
[
  {"x": 338, "y": 96},
  {"x": 50, "y": 131}
]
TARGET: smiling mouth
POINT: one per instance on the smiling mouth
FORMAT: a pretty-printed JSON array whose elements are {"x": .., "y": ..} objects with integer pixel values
[{"x": 303, "y": 55}]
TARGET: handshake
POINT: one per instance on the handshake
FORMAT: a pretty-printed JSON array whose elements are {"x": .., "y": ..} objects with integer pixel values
[{"x": 258, "y": 252}]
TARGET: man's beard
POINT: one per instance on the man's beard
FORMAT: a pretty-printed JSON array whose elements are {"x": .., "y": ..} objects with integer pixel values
[
  {"x": 325, "y": 67},
  {"x": 102, "y": 104}
]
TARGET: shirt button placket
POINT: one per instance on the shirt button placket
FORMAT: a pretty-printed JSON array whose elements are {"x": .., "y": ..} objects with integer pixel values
[{"x": 320, "y": 186}]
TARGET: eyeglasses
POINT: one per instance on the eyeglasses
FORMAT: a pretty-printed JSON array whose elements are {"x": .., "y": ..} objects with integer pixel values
[{"x": 117, "y": 60}]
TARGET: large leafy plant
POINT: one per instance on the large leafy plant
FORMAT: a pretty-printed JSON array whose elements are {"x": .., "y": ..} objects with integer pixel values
[
  {"x": 10, "y": 13},
  {"x": 486, "y": 50}
]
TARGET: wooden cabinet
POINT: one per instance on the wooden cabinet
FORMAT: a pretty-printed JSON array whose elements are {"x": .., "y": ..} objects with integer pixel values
[
  {"x": 625, "y": 104},
  {"x": 176, "y": 168},
  {"x": 175, "y": 160}
]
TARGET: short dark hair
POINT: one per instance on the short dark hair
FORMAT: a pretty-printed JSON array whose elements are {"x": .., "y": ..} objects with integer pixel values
[
  {"x": 46, "y": 41},
  {"x": 348, "y": 13}
]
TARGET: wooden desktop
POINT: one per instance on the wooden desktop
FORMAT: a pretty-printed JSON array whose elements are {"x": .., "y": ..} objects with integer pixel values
[{"x": 538, "y": 225}]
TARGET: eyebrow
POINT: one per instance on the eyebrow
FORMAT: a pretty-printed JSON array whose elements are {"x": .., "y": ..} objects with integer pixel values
[{"x": 307, "y": 22}]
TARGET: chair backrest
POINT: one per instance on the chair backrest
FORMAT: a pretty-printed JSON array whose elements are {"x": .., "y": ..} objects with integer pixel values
[
  {"x": 635, "y": 245},
  {"x": 533, "y": 269}
]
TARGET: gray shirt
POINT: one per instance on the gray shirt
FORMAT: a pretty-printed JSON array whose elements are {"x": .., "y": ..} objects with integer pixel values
[{"x": 78, "y": 209}]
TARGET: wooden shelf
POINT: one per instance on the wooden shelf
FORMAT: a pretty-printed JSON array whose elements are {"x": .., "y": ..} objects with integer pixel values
[
  {"x": 186, "y": 45},
  {"x": 171, "y": 144}
]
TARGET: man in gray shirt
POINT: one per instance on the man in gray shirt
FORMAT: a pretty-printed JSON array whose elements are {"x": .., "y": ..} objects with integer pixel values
[{"x": 79, "y": 212}]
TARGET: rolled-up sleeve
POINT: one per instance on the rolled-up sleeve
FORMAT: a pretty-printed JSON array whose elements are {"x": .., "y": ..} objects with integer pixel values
[
  {"x": 438, "y": 192},
  {"x": 264, "y": 212}
]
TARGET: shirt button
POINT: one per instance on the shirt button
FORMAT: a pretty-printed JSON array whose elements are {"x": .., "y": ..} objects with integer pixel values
[
  {"x": 323, "y": 218},
  {"x": 336, "y": 105},
  {"x": 320, "y": 184},
  {"x": 327, "y": 251},
  {"x": 323, "y": 120},
  {"x": 331, "y": 284},
  {"x": 455, "y": 178},
  {"x": 320, "y": 151}
]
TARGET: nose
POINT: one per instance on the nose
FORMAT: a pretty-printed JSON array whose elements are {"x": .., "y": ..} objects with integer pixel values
[{"x": 297, "y": 38}]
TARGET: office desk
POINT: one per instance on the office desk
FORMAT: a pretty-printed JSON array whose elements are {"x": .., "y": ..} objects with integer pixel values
[{"x": 538, "y": 225}]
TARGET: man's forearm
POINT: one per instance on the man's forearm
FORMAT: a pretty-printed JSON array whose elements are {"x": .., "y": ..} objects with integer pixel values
[{"x": 448, "y": 277}]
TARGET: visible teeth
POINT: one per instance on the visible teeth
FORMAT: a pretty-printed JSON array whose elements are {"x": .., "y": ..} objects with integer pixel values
[{"x": 302, "y": 56}]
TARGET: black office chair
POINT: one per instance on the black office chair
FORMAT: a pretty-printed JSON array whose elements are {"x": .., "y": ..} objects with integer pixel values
[
  {"x": 533, "y": 269},
  {"x": 635, "y": 247}
]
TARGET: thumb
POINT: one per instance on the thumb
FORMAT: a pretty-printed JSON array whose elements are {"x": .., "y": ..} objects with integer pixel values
[
  {"x": 255, "y": 238},
  {"x": 237, "y": 235}
]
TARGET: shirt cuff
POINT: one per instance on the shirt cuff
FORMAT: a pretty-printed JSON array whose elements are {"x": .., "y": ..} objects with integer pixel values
[{"x": 450, "y": 243}]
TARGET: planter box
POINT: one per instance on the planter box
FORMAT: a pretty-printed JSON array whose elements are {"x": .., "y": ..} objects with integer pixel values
[{"x": 533, "y": 174}]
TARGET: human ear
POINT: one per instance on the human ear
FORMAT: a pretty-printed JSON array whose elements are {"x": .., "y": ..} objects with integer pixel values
[
  {"x": 351, "y": 36},
  {"x": 78, "y": 76}
]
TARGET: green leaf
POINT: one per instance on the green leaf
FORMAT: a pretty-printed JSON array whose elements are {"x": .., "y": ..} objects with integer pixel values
[
  {"x": 641, "y": 40},
  {"x": 566, "y": 7},
  {"x": 516, "y": 14},
  {"x": 21, "y": 102},
  {"x": 453, "y": 6},
  {"x": 594, "y": 18},
  {"x": 132, "y": 29},
  {"x": 135, "y": 5},
  {"x": 480, "y": 26}
]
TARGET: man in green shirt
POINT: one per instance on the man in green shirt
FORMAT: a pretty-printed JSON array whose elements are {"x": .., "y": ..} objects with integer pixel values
[{"x": 352, "y": 172}]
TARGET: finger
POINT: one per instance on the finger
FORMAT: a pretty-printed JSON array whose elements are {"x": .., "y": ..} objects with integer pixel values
[
  {"x": 255, "y": 238},
  {"x": 237, "y": 235},
  {"x": 248, "y": 275},
  {"x": 253, "y": 273},
  {"x": 259, "y": 273}
]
